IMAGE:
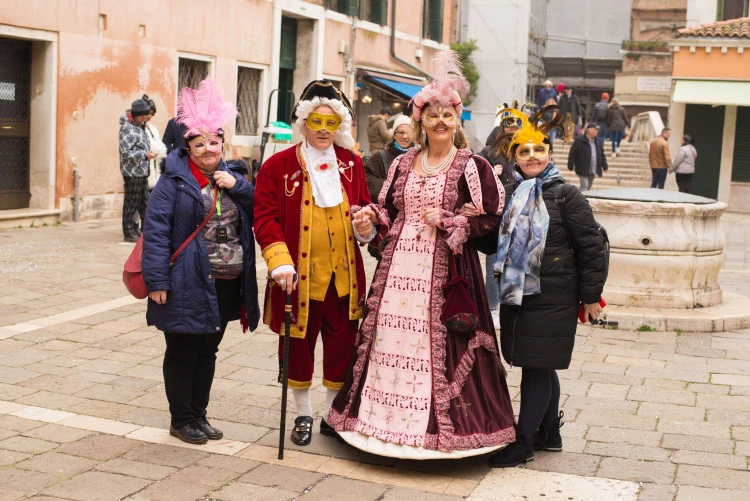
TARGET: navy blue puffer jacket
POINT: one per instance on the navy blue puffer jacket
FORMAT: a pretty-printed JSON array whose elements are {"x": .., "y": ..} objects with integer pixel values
[{"x": 175, "y": 209}]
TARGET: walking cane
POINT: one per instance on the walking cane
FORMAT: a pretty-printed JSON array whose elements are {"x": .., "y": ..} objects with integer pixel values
[{"x": 285, "y": 368}]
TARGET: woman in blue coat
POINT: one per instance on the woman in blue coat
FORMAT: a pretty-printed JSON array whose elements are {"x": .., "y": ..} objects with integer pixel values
[{"x": 212, "y": 281}]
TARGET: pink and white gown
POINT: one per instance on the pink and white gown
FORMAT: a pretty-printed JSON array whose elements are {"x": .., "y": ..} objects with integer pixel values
[{"x": 417, "y": 390}]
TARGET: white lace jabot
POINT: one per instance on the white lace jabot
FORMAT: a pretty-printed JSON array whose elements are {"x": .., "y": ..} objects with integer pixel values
[{"x": 323, "y": 168}]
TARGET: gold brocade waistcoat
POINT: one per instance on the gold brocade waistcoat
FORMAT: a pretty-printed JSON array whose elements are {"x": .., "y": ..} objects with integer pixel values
[{"x": 328, "y": 254}]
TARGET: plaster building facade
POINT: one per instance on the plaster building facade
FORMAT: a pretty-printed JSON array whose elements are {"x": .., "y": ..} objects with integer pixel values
[
  {"x": 711, "y": 102},
  {"x": 69, "y": 70}
]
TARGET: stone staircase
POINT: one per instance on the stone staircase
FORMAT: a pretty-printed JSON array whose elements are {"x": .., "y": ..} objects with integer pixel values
[{"x": 630, "y": 169}]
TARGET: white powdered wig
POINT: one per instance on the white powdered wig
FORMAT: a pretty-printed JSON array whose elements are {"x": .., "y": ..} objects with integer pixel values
[{"x": 343, "y": 135}]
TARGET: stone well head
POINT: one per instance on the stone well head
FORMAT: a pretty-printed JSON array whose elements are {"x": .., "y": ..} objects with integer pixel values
[{"x": 666, "y": 247}]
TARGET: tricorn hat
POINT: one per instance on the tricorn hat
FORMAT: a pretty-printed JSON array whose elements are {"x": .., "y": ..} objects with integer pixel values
[{"x": 324, "y": 93}]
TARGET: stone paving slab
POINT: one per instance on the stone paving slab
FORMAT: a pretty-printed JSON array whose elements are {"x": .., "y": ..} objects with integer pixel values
[{"x": 517, "y": 484}]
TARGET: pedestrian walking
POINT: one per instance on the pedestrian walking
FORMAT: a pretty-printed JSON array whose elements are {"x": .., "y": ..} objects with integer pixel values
[
  {"x": 599, "y": 116},
  {"x": 684, "y": 164},
  {"x": 587, "y": 157},
  {"x": 617, "y": 122},
  {"x": 308, "y": 222},
  {"x": 157, "y": 146},
  {"x": 213, "y": 279},
  {"x": 569, "y": 105},
  {"x": 135, "y": 154},
  {"x": 659, "y": 158},
  {"x": 541, "y": 285},
  {"x": 498, "y": 156},
  {"x": 545, "y": 94},
  {"x": 419, "y": 388},
  {"x": 377, "y": 130}
]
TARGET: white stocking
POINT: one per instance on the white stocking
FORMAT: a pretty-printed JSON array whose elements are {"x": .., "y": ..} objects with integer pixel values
[
  {"x": 302, "y": 401},
  {"x": 330, "y": 395}
]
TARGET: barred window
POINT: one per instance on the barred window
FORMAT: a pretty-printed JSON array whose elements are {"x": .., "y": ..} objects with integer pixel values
[
  {"x": 191, "y": 72},
  {"x": 248, "y": 93}
]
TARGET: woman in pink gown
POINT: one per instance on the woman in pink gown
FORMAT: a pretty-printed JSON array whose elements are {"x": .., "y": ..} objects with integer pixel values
[{"x": 416, "y": 389}]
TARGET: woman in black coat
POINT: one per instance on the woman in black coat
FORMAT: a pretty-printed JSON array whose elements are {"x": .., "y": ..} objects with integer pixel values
[{"x": 546, "y": 273}]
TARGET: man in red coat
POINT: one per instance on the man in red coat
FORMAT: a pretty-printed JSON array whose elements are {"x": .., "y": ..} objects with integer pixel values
[{"x": 311, "y": 210}]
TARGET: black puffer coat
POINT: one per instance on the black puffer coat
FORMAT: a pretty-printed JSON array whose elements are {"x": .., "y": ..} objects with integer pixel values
[{"x": 540, "y": 333}]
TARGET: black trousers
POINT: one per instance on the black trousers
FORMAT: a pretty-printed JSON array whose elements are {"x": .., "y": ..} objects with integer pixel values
[
  {"x": 136, "y": 198},
  {"x": 190, "y": 360},
  {"x": 540, "y": 400},
  {"x": 685, "y": 182}
]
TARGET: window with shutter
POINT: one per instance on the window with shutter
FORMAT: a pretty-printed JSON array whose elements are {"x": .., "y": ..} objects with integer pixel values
[
  {"x": 378, "y": 12},
  {"x": 741, "y": 161},
  {"x": 433, "y": 20},
  {"x": 348, "y": 7}
]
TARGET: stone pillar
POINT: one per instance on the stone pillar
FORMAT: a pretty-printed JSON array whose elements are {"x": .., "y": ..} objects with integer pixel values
[{"x": 727, "y": 153}]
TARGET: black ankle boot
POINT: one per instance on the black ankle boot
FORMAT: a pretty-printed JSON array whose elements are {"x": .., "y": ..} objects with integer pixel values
[
  {"x": 520, "y": 451},
  {"x": 550, "y": 440}
]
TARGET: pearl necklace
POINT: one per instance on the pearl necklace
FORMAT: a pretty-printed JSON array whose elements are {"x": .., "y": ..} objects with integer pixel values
[{"x": 431, "y": 171}]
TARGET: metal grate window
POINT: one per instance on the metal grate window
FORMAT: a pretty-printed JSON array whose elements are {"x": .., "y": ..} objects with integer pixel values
[
  {"x": 191, "y": 72},
  {"x": 248, "y": 93}
]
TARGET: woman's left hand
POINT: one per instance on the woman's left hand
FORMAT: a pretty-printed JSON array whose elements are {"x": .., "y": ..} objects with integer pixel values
[
  {"x": 592, "y": 310},
  {"x": 469, "y": 210},
  {"x": 224, "y": 179},
  {"x": 432, "y": 217}
]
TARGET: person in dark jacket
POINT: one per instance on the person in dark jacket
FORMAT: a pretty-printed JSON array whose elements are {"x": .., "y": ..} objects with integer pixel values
[
  {"x": 587, "y": 157},
  {"x": 617, "y": 122},
  {"x": 213, "y": 280},
  {"x": 542, "y": 283},
  {"x": 569, "y": 104},
  {"x": 173, "y": 139},
  {"x": 599, "y": 116},
  {"x": 376, "y": 168}
]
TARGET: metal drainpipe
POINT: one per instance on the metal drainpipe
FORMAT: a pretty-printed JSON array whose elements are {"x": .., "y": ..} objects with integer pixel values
[
  {"x": 393, "y": 44},
  {"x": 76, "y": 194}
]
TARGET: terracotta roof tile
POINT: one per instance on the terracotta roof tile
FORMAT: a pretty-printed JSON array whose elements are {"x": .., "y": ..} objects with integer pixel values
[{"x": 734, "y": 28}]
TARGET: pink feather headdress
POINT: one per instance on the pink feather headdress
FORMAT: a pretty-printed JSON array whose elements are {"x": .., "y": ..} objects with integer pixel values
[
  {"x": 447, "y": 88},
  {"x": 203, "y": 111}
]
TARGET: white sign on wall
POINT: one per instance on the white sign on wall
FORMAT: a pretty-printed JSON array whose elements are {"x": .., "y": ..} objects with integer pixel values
[{"x": 653, "y": 84}]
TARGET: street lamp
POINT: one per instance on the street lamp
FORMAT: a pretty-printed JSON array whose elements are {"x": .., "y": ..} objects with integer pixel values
[{"x": 367, "y": 96}]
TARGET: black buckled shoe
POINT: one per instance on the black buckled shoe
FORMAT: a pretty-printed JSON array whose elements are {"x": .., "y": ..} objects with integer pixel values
[
  {"x": 327, "y": 430},
  {"x": 211, "y": 433},
  {"x": 302, "y": 432},
  {"x": 189, "y": 433}
]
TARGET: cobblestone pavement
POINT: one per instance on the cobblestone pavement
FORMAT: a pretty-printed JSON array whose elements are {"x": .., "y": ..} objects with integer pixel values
[{"x": 83, "y": 415}]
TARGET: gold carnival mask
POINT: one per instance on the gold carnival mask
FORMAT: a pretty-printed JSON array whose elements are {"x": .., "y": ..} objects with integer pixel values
[
  {"x": 318, "y": 121},
  {"x": 208, "y": 142},
  {"x": 526, "y": 151},
  {"x": 433, "y": 116}
]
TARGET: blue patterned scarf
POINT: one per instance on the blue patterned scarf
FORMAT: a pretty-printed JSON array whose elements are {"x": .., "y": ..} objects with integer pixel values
[{"x": 520, "y": 246}]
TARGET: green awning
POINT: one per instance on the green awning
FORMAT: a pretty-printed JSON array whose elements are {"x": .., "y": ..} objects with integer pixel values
[{"x": 712, "y": 92}]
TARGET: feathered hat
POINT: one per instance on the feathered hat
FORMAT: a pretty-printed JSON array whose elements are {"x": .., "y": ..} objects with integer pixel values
[
  {"x": 319, "y": 93},
  {"x": 203, "y": 111},
  {"x": 535, "y": 131},
  {"x": 506, "y": 111},
  {"x": 448, "y": 86}
]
